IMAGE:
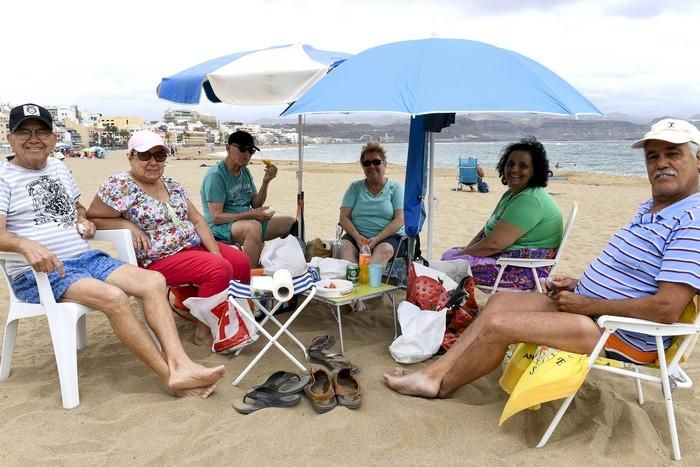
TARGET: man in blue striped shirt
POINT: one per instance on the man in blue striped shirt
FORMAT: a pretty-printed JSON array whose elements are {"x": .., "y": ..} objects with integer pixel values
[{"x": 649, "y": 270}]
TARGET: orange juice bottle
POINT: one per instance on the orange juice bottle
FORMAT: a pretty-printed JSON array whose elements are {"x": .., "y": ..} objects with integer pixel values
[{"x": 365, "y": 256}]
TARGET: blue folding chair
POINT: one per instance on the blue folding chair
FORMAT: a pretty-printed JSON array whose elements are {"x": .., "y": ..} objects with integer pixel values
[{"x": 467, "y": 173}]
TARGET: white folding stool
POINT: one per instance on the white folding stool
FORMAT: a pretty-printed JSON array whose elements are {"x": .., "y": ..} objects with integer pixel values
[{"x": 239, "y": 290}]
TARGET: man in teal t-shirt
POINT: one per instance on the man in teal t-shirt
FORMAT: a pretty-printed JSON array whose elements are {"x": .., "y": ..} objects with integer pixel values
[{"x": 232, "y": 205}]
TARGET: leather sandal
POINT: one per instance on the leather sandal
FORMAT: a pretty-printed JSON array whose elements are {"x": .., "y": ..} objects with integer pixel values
[
  {"x": 347, "y": 389},
  {"x": 320, "y": 390},
  {"x": 332, "y": 361}
]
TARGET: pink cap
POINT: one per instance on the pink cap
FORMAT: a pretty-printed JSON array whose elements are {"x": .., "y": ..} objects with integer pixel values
[{"x": 143, "y": 141}]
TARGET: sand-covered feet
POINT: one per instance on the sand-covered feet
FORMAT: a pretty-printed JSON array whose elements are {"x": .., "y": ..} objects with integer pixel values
[
  {"x": 412, "y": 383},
  {"x": 195, "y": 380}
]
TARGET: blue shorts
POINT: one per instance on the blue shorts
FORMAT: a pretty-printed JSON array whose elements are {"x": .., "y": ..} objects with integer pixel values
[{"x": 93, "y": 263}]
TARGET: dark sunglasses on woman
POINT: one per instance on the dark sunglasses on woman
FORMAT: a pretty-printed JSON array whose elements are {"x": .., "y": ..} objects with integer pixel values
[
  {"x": 372, "y": 162},
  {"x": 146, "y": 156}
]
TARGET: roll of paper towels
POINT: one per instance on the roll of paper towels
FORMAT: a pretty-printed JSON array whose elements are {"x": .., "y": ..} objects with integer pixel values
[{"x": 280, "y": 284}]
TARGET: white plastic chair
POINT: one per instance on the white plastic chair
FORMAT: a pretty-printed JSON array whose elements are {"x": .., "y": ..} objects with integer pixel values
[
  {"x": 66, "y": 319},
  {"x": 532, "y": 263},
  {"x": 669, "y": 374}
]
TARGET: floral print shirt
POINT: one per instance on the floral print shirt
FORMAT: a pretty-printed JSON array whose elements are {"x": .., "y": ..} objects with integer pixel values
[{"x": 166, "y": 224}]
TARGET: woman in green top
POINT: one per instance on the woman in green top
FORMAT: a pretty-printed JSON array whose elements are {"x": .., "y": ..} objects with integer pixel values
[{"x": 526, "y": 223}]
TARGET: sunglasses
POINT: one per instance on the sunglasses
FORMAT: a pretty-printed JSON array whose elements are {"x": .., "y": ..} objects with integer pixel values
[
  {"x": 374, "y": 162},
  {"x": 146, "y": 156},
  {"x": 249, "y": 149}
]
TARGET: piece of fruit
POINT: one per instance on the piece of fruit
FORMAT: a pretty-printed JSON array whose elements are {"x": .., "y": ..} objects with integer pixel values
[
  {"x": 266, "y": 162},
  {"x": 331, "y": 285}
]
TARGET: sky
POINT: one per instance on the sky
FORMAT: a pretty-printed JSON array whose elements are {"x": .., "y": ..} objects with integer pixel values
[{"x": 637, "y": 57}]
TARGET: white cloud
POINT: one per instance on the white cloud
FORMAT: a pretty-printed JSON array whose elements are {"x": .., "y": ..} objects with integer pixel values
[{"x": 626, "y": 56}]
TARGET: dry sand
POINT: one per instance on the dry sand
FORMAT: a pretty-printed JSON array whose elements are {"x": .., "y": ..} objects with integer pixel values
[{"x": 125, "y": 418}]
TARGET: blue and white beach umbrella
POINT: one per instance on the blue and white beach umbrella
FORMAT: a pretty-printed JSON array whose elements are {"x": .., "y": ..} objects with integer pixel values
[
  {"x": 437, "y": 76},
  {"x": 272, "y": 76}
]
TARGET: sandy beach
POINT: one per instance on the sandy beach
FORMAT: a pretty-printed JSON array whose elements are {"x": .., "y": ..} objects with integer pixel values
[{"x": 126, "y": 418}]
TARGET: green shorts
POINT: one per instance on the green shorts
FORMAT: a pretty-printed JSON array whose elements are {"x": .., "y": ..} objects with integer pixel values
[{"x": 222, "y": 232}]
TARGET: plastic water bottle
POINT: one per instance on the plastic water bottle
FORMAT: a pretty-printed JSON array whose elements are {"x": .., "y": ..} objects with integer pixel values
[
  {"x": 365, "y": 256},
  {"x": 337, "y": 246}
]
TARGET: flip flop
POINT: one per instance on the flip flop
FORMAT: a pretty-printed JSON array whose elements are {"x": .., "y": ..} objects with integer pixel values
[
  {"x": 319, "y": 343},
  {"x": 332, "y": 361},
  {"x": 262, "y": 398},
  {"x": 284, "y": 382}
]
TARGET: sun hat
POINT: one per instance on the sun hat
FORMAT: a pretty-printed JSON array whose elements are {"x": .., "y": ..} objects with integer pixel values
[
  {"x": 143, "y": 141},
  {"x": 242, "y": 139},
  {"x": 22, "y": 113},
  {"x": 671, "y": 130}
]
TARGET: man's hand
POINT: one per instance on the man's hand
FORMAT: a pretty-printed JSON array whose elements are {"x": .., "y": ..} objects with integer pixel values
[
  {"x": 40, "y": 258},
  {"x": 557, "y": 283},
  {"x": 270, "y": 173},
  {"x": 85, "y": 228},
  {"x": 569, "y": 302},
  {"x": 261, "y": 214}
]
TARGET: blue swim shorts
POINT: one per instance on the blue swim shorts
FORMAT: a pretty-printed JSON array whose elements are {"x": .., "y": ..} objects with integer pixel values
[{"x": 93, "y": 263}]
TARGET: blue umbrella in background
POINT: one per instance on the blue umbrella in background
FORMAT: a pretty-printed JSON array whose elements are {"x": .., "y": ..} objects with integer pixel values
[
  {"x": 438, "y": 76},
  {"x": 272, "y": 76}
]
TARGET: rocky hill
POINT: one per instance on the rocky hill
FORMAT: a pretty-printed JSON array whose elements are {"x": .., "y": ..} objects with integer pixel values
[{"x": 490, "y": 128}]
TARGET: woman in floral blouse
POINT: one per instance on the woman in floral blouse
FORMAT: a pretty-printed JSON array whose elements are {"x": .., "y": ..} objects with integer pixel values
[{"x": 169, "y": 233}]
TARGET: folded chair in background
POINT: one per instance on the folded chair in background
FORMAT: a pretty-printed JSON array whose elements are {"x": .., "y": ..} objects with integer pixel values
[
  {"x": 667, "y": 372},
  {"x": 66, "y": 319},
  {"x": 467, "y": 173},
  {"x": 532, "y": 263}
]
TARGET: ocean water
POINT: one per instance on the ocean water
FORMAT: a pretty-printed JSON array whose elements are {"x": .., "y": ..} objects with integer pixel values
[{"x": 607, "y": 157}]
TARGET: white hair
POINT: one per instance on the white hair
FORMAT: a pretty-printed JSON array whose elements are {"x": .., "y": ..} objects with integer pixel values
[{"x": 694, "y": 148}]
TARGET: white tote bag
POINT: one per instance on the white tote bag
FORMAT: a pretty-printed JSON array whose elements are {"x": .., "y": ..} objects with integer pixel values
[{"x": 421, "y": 333}]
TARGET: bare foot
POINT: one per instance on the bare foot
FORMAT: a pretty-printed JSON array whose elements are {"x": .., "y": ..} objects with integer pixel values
[
  {"x": 202, "y": 392},
  {"x": 202, "y": 335},
  {"x": 412, "y": 384},
  {"x": 194, "y": 377}
]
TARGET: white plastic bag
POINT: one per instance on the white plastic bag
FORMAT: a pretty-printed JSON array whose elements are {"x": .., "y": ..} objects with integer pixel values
[
  {"x": 456, "y": 269},
  {"x": 330, "y": 268},
  {"x": 283, "y": 253},
  {"x": 443, "y": 277},
  {"x": 230, "y": 328},
  {"x": 421, "y": 334}
]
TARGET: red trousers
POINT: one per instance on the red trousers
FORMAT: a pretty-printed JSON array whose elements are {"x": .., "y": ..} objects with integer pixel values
[{"x": 210, "y": 273}]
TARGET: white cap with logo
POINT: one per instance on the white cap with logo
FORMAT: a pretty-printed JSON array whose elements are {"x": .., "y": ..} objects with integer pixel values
[{"x": 671, "y": 130}]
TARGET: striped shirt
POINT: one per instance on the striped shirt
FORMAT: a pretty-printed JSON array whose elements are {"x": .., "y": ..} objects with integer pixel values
[
  {"x": 40, "y": 205},
  {"x": 655, "y": 247}
]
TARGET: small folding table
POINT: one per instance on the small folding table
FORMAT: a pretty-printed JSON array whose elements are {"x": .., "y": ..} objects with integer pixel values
[{"x": 304, "y": 283}]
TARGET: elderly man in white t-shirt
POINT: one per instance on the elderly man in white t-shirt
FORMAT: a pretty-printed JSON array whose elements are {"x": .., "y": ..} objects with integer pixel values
[{"x": 42, "y": 219}]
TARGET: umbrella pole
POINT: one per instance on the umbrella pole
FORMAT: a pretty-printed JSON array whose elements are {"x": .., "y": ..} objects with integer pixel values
[
  {"x": 431, "y": 198},
  {"x": 300, "y": 174}
]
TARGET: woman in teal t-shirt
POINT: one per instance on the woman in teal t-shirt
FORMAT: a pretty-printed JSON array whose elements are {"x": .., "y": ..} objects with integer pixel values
[{"x": 526, "y": 223}]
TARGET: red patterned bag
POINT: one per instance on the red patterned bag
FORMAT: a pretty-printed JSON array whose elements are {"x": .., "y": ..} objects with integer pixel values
[{"x": 429, "y": 294}]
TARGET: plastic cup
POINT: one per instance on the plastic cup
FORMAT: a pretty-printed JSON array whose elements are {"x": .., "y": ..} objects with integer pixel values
[{"x": 375, "y": 275}]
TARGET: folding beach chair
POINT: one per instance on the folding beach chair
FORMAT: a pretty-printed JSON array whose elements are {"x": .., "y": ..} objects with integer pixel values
[
  {"x": 668, "y": 374},
  {"x": 467, "y": 173},
  {"x": 239, "y": 290},
  {"x": 532, "y": 263}
]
